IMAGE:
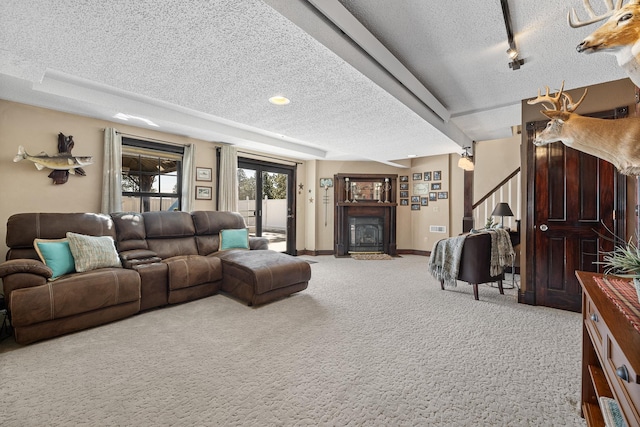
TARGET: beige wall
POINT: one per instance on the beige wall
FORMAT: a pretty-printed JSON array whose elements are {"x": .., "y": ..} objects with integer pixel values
[
  {"x": 25, "y": 189},
  {"x": 495, "y": 160},
  {"x": 412, "y": 226},
  {"x": 323, "y": 234},
  {"x": 438, "y": 213}
]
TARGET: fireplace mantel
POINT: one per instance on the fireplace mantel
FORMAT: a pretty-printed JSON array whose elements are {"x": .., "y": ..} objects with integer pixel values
[{"x": 365, "y": 196}]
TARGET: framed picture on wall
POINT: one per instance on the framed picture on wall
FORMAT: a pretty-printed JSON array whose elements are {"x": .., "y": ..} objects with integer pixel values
[
  {"x": 326, "y": 182},
  {"x": 415, "y": 206},
  {"x": 203, "y": 174},
  {"x": 437, "y": 175},
  {"x": 404, "y": 178},
  {"x": 420, "y": 188},
  {"x": 424, "y": 201},
  {"x": 427, "y": 176},
  {"x": 404, "y": 202},
  {"x": 417, "y": 176},
  {"x": 433, "y": 196},
  {"x": 443, "y": 195},
  {"x": 404, "y": 186},
  {"x": 404, "y": 194},
  {"x": 436, "y": 186},
  {"x": 203, "y": 193},
  {"x": 415, "y": 199}
]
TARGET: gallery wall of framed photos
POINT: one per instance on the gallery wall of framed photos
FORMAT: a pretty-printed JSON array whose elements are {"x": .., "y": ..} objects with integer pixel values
[{"x": 418, "y": 189}]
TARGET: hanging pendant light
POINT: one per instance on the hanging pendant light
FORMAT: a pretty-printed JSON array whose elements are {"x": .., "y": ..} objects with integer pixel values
[{"x": 465, "y": 161}]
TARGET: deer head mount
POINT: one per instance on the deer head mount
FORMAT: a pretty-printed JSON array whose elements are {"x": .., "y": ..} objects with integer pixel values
[
  {"x": 619, "y": 35},
  {"x": 616, "y": 141}
]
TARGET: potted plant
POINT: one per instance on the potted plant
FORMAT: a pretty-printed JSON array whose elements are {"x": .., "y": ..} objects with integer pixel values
[
  {"x": 624, "y": 261},
  {"x": 490, "y": 224}
]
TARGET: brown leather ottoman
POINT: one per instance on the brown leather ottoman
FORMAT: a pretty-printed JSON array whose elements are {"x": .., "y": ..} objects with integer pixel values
[{"x": 261, "y": 276}]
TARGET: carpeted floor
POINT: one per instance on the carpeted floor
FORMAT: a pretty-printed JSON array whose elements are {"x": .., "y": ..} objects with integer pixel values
[{"x": 367, "y": 344}]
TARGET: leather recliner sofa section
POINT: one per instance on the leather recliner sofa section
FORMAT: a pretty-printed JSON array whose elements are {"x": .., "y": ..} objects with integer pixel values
[
  {"x": 40, "y": 308},
  {"x": 167, "y": 258},
  {"x": 161, "y": 247}
]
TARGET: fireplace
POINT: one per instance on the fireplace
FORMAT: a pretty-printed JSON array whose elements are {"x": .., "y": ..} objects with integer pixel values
[
  {"x": 366, "y": 234},
  {"x": 365, "y": 214}
]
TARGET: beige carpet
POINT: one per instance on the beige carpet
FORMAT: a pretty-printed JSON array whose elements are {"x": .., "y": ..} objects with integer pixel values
[{"x": 375, "y": 346}]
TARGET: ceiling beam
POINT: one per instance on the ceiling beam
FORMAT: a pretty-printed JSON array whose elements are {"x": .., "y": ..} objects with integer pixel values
[{"x": 344, "y": 20}]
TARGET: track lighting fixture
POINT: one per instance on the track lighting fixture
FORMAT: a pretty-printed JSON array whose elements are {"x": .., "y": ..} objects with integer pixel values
[{"x": 513, "y": 50}]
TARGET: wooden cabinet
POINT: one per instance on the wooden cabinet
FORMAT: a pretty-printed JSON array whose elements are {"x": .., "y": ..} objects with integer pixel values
[{"x": 610, "y": 353}]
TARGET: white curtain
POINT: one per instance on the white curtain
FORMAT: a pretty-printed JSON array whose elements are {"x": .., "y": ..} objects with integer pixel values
[
  {"x": 228, "y": 185},
  {"x": 188, "y": 187},
  {"x": 112, "y": 172}
]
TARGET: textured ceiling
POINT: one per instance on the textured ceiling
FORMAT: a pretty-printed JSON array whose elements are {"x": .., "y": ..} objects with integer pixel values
[{"x": 206, "y": 69}]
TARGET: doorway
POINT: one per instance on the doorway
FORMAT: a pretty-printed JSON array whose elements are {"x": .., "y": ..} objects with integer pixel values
[
  {"x": 573, "y": 200},
  {"x": 266, "y": 194}
]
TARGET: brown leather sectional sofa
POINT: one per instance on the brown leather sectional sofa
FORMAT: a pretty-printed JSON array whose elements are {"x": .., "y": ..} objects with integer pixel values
[{"x": 167, "y": 258}]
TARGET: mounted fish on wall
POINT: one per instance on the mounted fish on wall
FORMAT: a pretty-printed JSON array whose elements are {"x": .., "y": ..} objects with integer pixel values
[{"x": 62, "y": 163}]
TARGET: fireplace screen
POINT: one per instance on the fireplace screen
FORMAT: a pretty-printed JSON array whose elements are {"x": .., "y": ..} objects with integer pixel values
[{"x": 366, "y": 234}]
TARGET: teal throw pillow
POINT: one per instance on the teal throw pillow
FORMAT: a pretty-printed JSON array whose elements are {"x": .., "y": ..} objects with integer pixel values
[
  {"x": 237, "y": 238},
  {"x": 56, "y": 255}
]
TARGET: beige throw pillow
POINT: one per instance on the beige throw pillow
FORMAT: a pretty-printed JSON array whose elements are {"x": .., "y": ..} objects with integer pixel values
[{"x": 92, "y": 252}]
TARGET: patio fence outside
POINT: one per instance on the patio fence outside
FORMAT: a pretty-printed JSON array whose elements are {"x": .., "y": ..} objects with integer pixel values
[{"x": 274, "y": 214}]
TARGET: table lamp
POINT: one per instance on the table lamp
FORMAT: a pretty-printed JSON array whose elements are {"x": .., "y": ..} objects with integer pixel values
[{"x": 502, "y": 209}]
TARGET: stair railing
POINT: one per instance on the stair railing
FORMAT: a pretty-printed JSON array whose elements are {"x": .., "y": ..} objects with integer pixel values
[{"x": 509, "y": 191}]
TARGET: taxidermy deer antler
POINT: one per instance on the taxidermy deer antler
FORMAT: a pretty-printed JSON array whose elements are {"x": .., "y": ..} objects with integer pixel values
[
  {"x": 574, "y": 22},
  {"x": 616, "y": 141}
]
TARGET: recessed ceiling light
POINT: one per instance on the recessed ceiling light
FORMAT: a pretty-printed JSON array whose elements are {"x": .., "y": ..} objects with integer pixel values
[
  {"x": 279, "y": 100},
  {"x": 412, "y": 155}
]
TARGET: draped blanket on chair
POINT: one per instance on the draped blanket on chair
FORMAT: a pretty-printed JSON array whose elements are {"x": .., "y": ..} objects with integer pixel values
[
  {"x": 444, "y": 262},
  {"x": 501, "y": 250}
]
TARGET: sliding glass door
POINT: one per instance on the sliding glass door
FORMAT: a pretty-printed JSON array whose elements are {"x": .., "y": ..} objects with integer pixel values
[{"x": 266, "y": 200}]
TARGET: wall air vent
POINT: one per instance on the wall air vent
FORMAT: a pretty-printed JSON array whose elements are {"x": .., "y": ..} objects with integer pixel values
[{"x": 437, "y": 229}]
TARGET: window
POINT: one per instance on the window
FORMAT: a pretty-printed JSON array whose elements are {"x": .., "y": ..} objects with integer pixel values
[{"x": 151, "y": 176}]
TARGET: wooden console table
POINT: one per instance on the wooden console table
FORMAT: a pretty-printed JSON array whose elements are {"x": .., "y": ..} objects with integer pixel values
[{"x": 610, "y": 348}]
